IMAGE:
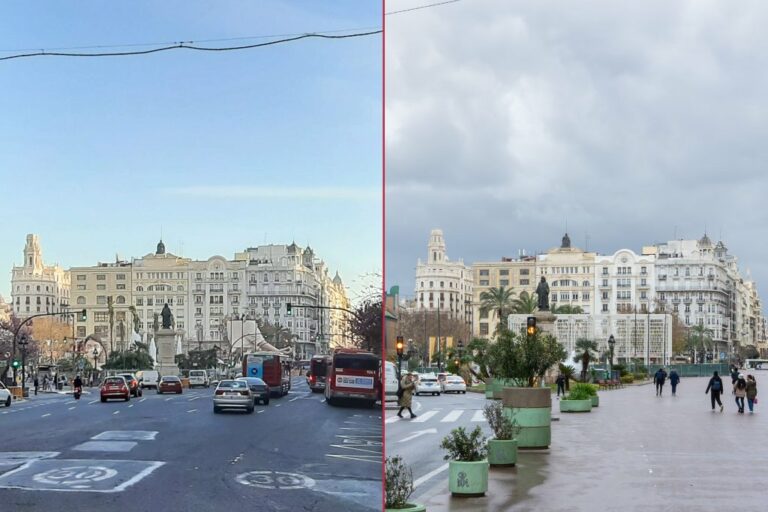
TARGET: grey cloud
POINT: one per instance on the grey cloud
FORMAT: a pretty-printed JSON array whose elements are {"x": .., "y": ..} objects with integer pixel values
[{"x": 504, "y": 119}]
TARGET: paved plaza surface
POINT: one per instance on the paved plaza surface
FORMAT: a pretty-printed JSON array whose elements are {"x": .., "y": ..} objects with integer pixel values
[
  {"x": 172, "y": 453},
  {"x": 634, "y": 452}
]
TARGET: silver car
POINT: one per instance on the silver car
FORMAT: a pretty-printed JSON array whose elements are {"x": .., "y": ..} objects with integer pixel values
[{"x": 232, "y": 394}]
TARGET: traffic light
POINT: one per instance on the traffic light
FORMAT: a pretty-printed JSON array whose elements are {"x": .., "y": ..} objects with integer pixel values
[
  {"x": 288, "y": 308},
  {"x": 16, "y": 363},
  {"x": 399, "y": 345},
  {"x": 83, "y": 315},
  {"x": 531, "y": 329},
  {"x": 456, "y": 361}
]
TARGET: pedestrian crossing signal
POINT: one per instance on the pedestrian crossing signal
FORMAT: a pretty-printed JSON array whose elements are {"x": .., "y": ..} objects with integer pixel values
[
  {"x": 531, "y": 328},
  {"x": 83, "y": 315},
  {"x": 288, "y": 308},
  {"x": 15, "y": 363}
]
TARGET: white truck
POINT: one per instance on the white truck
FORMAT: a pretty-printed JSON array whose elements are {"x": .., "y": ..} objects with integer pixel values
[{"x": 198, "y": 378}]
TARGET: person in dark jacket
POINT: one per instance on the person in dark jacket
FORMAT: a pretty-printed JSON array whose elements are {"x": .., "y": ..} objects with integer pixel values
[
  {"x": 740, "y": 390},
  {"x": 716, "y": 386},
  {"x": 734, "y": 377},
  {"x": 751, "y": 393},
  {"x": 659, "y": 379},
  {"x": 674, "y": 380},
  {"x": 560, "y": 381}
]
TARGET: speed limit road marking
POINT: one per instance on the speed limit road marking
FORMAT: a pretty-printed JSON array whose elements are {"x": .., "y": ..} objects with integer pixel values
[{"x": 275, "y": 480}]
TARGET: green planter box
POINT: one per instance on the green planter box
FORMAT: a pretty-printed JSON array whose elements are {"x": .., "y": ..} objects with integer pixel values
[
  {"x": 409, "y": 507},
  {"x": 468, "y": 478},
  {"x": 595, "y": 401},
  {"x": 576, "y": 405},
  {"x": 532, "y": 408},
  {"x": 502, "y": 452}
]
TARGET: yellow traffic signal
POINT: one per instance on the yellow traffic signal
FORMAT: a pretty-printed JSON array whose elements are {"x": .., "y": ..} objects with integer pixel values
[
  {"x": 399, "y": 345},
  {"x": 531, "y": 328}
]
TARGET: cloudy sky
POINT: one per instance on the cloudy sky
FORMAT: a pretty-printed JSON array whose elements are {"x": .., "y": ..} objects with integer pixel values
[
  {"x": 220, "y": 150},
  {"x": 634, "y": 122}
]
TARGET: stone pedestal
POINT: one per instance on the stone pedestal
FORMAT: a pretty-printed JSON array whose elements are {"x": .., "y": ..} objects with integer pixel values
[
  {"x": 545, "y": 321},
  {"x": 165, "y": 339}
]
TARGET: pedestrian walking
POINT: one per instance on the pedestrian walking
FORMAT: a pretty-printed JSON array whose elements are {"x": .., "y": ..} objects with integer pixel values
[
  {"x": 751, "y": 393},
  {"x": 674, "y": 380},
  {"x": 560, "y": 381},
  {"x": 405, "y": 394},
  {"x": 45, "y": 383},
  {"x": 740, "y": 390},
  {"x": 37, "y": 385},
  {"x": 734, "y": 377},
  {"x": 716, "y": 386},
  {"x": 660, "y": 378}
]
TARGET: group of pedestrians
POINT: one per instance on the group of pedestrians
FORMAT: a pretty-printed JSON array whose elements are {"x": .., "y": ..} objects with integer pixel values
[
  {"x": 743, "y": 388},
  {"x": 661, "y": 377}
]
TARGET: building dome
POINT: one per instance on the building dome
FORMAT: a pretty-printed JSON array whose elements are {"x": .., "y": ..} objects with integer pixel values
[
  {"x": 705, "y": 242},
  {"x": 337, "y": 279},
  {"x": 160, "y": 247}
]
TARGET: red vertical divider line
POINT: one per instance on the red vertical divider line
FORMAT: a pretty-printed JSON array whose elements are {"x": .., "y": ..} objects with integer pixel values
[{"x": 383, "y": 252}]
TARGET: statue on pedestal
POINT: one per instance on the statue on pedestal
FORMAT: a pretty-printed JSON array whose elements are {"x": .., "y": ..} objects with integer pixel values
[
  {"x": 542, "y": 291},
  {"x": 167, "y": 316}
]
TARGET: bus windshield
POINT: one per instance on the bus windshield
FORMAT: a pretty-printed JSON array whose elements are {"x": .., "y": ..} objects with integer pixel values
[{"x": 356, "y": 362}]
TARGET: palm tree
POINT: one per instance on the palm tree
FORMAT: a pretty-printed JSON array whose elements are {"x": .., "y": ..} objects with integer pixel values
[
  {"x": 586, "y": 350},
  {"x": 499, "y": 300},
  {"x": 699, "y": 339},
  {"x": 568, "y": 309},
  {"x": 525, "y": 304}
]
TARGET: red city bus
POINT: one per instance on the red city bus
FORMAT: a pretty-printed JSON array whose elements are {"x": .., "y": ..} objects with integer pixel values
[
  {"x": 354, "y": 374},
  {"x": 273, "y": 368},
  {"x": 318, "y": 370}
]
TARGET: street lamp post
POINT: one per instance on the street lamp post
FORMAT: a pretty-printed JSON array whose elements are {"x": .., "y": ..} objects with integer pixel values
[
  {"x": 23, "y": 345},
  {"x": 95, "y": 357},
  {"x": 611, "y": 343}
]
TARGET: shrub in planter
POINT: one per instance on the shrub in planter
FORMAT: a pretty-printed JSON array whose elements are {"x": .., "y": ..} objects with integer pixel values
[
  {"x": 502, "y": 449},
  {"x": 640, "y": 376},
  {"x": 467, "y": 467},
  {"x": 628, "y": 379},
  {"x": 589, "y": 390},
  {"x": 578, "y": 400},
  {"x": 399, "y": 486}
]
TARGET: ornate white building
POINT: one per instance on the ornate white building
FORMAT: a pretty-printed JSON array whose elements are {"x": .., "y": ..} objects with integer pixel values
[
  {"x": 442, "y": 284},
  {"x": 570, "y": 273},
  {"x": 37, "y": 288},
  {"x": 624, "y": 282}
]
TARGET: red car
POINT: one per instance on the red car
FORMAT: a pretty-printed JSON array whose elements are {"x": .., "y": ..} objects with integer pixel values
[
  {"x": 169, "y": 384},
  {"x": 115, "y": 387}
]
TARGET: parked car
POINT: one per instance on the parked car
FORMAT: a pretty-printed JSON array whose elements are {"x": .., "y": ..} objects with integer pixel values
[
  {"x": 198, "y": 378},
  {"x": 148, "y": 378},
  {"x": 133, "y": 384},
  {"x": 5, "y": 395},
  {"x": 115, "y": 387},
  {"x": 169, "y": 384},
  {"x": 259, "y": 389},
  {"x": 232, "y": 394},
  {"x": 428, "y": 384},
  {"x": 441, "y": 377},
  {"x": 391, "y": 381},
  {"x": 454, "y": 384}
]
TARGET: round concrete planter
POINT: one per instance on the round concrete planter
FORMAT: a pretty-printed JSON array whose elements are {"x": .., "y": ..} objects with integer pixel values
[
  {"x": 499, "y": 385},
  {"x": 595, "y": 401},
  {"x": 409, "y": 507},
  {"x": 502, "y": 452},
  {"x": 532, "y": 408},
  {"x": 468, "y": 478},
  {"x": 489, "y": 388},
  {"x": 576, "y": 405}
]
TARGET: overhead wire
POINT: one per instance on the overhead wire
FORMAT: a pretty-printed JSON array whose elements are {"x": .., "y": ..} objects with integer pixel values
[
  {"x": 190, "y": 45},
  {"x": 421, "y": 7}
]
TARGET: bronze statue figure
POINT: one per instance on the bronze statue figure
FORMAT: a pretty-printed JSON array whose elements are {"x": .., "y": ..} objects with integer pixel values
[
  {"x": 166, "y": 314},
  {"x": 542, "y": 291}
]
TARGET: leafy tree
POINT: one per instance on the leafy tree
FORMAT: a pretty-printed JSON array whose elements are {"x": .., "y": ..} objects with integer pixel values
[
  {"x": 420, "y": 325},
  {"x": 522, "y": 357},
  {"x": 699, "y": 340},
  {"x": 366, "y": 324},
  {"x": 497, "y": 300},
  {"x": 197, "y": 359},
  {"x": 525, "y": 304},
  {"x": 569, "y": 373},
  {"x": 586, "y": 351},
  {"x": 568, "y": 309},
  {"x": 129, "y": 359}
]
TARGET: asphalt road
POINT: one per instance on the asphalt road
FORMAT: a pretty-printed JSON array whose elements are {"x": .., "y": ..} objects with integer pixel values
[
  {"x": 636, "y": 452},
  {"x": 172, "y": 453},
  {"x": 418, "y": 440}
]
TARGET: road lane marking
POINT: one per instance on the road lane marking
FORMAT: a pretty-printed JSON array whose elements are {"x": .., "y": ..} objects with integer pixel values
[
  {"x": 259, "y": 412},
  {"x": 105, "y": 446},
  {"x": 376, "y": 459},
  {"x": 126, "y": 435},
  {"x": 429, "y": 475},
  {"x": 418, "y": 434},
  {"x": 192, "y": 410},
  {"x": 194, "y": 398},
  {"x": 392, "y": 419},
  {"x": 116, "y": 412},
  {"x": 478, "y": 416},
  {"x": 452, "y": 416},
  {"x": 71, "y": 408},
  {"x": 278, "y": 405},
  {"x": 294, "y": 399},
  {"x": 44, "y": 415},
  {"x": 89, "y": 403},
  {"x": 130, "y": 406},
  {"x": 171, "y": 398},
  {"x": 424, "y": 417},
  {"x": 323, "y": 400},
  {"x": 142, "y": 400}
]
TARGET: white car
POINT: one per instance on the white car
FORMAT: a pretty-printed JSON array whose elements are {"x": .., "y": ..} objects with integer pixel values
[
  {"x": 454, "y": 384},
  {"x": 198, "y": 378},
  {"x": 428, "y": 384},
  {"x": 5, "y": 395},
  {"x": 391, "y": 383},
  {"x": 148, "y": 378}
]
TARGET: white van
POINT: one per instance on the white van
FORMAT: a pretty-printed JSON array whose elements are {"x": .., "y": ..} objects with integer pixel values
[
  {"x": 391, "y": 382},
  {"x": 198, "y": 378},
  {"x": 148, "y": 378}
]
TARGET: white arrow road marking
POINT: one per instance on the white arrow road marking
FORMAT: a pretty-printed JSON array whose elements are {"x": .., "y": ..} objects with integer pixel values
[
  {"x": 429, "y": 475},
  {"x": 452, "y": 416},
  {"x": 419, "y": 434},
  {"x": 478, "y": 416},
  {"x": 424, "y": 417}
]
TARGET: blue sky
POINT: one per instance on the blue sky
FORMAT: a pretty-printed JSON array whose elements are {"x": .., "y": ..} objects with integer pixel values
[{"x": 224, "y": 150}]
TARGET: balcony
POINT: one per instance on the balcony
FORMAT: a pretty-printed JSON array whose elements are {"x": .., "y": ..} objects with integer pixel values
[
  {"x": 676, "y": 300},
  {"x": 662, "y": 278}
]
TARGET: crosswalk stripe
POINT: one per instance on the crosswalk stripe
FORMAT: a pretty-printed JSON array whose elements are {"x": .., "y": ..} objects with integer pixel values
[
  {"x": 452, "y": 416},
  {"x": 392, "y": 419},
  {"x": 478, "y": 416},
  {"x": 424, "y": 417}
]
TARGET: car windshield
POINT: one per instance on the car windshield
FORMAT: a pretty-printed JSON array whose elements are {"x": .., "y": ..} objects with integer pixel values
[
  {"x": 252, "y": 381},
  {"x": 114, "y": 381},
  {"x": 128, "y": 377},
  {"x": 428, "y": 379},
  {"x": 356, "y": 362},
  {"x": 232, "y": 384},
  {"x": 457, "y": 380},
  {"x": 170, "y": 379}
]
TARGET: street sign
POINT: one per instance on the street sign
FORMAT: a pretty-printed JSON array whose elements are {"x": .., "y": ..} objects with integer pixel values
[{"x": 3, "y": 364}]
